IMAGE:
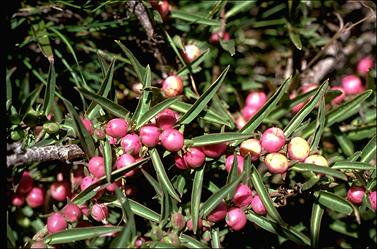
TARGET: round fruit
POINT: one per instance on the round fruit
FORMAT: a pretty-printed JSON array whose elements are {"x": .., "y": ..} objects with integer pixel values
[
  {"x": 243, "y": 196},
  {"x": 251, "y": 147},
  {"x": 194, "y": 157},
  {"x": 372, "y": 200},
  {"x": 229, "y": 162},
  {"x": 86, "y": 182},
  {"x": 317, "y": 160},
  {"x": 256, "y": 99},
  {"x": 100, "y": 134},
  {"x": 339, "y": 99},
  {"x": 273, "y": 139},
  {"x": 180, "y": 163},
  {"x": 51, "y": 127},
  {"x": 219, "y": 213},
  {"x": 88, "y": 125},
  {"x": 116, "y": 127},
  {"x": 276, "y": 163},
  {"x": 298, "y": 149},
  {"x": 216, "y": 37},
  {"x": 248, "y": 112},
  {"x": 131, "y": 144},
  {"x": 240, "y": 122},
  {"x": 298, "y": 106},
  {"x": 189, "y": 224},
  {"x": 257, "y": 206},
  {"x": 149, "y": 135},
  {"x": 364, "y": 65},
  {"x": 60, "y": 190},
  {"x": 172, "y": 139},
  {"x": 177, "y": 221},
  {"x": 236, "y": 218},
  {"x": 56, "y": 223},
  {"x": 17, "y": 200},
  {"x": 36, "y": 197},
  {"x": 172, "y": 86},
  {"x": 355, "y": 195},
  {"x": 72, "y": 212},
  {"x": 124, "y": 160},
  {"x": 191, "y": 52},
  {"x": 352, "y": 84},
  {"x": 96, "y": 166},
  {"x": 214, "y": 150},
  {"x": 166, "y": 119},
  {"x": 308, "y": 87},
  {"x": 25, "y": 184},
  {"x": 99, "y": 212}
]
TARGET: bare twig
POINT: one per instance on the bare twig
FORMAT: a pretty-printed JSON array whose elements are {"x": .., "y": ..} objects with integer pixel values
[{"x": 42, "y": 154}]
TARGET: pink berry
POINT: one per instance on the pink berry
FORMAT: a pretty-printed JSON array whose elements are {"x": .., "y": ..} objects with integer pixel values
[
  {"x": 113, "y": 186},
  {"x": 56, "y": 223},
  {"x": 240, "y": 122},
  {"x": 149, "y": 135},
  {"x": 317, "y": 160},
  {"x": 113, "y": 140},
  {"x": 166, "y": 119},
  {"x": 339, "y": 99},
  {"x": 86, "y": 182},
  {"x": 72, "y": 212},
  {"x": 124, "y": 160},
  {"x": 372, "y": 200},
  {"x": 100, "y": 134},
  {"x": 172, "y": 86},
  {"x": 249, "y": 111},
  {"x": 78, "y": 175},
  {"x": 276, "y": 163},
  {"x": 191, "y": 52},
  {"x": 236, "y": 218},
  {"x": 131, "y": 144},
  {"x": 163, "y": 7},
  {"x": 36, "y": 197},
  {"x": 88, "y": 125},
  {"x": 177, "y": 221},
  {"x": 251, "y": 147},
  {"x": 180, "y": 163},
  {"x": 355, "y": 195},
  {"x": 364, "y": 65},
  {"x": 243, "y": 196},
  {"x": 215, "y": 37},
  {"x": 194, "y": 157},
  {"x": 99, "y": 212},
  {"x": 308, "y": 87},
  {"x": 139, "y": 242},
  {"x": 38, "y": 244},
  {"x": 214, "y": 150},
  {"x": 84, "y": 210},
  {"x": 96, "y": 166},
  {"x": 298, "y": 149},
  {"x": 352, "y": 84},
  {"x": 273, "y": 139},
  {"x": 298, "y": 106},
  {"x": 189, "y": 224},
  {"x": 257, "y": 205},
  {"x": 229, "y": 162},
  {"x": 256, "y": 99},
  {"x": 172, "y": 139},
  {"x": 17, "y": 200},
  {"x": 60, "y": 190},
  {"x": 117, "y": 127},
  {"x": 25, "y": 184},
  {"x": 219, "y": 213}
]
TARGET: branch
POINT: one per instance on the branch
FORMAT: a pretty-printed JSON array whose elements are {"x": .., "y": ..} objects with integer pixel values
[{"x": 42, "y": 154}]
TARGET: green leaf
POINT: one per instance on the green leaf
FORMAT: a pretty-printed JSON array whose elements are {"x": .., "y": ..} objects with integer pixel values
[
  {"x": 320, "y": 125},
  {"x": 146, "y": 97},
  {"x": 50, "y": 89},
  {"x": 194, "y": 64},
  {"x": 129, "y": 230},
  {"x": 196, "y": 194},
  {"x": 174, "y": 47},
  {"x": 229, "y": 46},
  {"x": 108, "y": 105},
  {"x": 103, "y": 91},
  {"x": 86, "y": 139},
  {"x": 315, "y": 224},
  {"x": 334, "y": 202},
  {"x": 81, "y": 233},
  {"x": 153, "y": 182},
  {"x": 139, "y": 69},
  {"x": 239, "y": 7},
  {"x": 213, "y": 201},
  {"x": 86, "y": 194},
  {"x": 295, "y": 38},
  {"x": 193, "y": 19},
  {"x": 260, "y": 187},
  {"x": 306, "y": 110},
  {"x": 152, "y": 112},
  {"x": 303, "y": 167},
  {"x": 41, "y": 35},
  {"x": 140, "y": 210},
  {"x": 276, "y": 228},
  {"x": 160, "y": 170},
  {"x": 200, "y": 103},
  {"x": 258, "y": 118},
  {"x": 361, "y": 133},
  {"x": 29, "y": 101},
  {"x": 353, "y": 165},
  {"x": 215, "y": 239},
  {"x": 369, "y": 151},
  {"x": 190, "y": 242},
  {"x": 108, "y": 158},
  {"x": 215, "y": 138},
  {"x": 344, "y": 142}
]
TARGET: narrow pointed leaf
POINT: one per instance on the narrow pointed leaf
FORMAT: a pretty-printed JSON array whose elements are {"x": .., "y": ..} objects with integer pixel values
[
  {"x": 369, "y": 151},
  {"x": 204, "y": 99},
  {"x": 233, "y": 174},
  {"x": 41, "y": 35},
  {"x": 320, "y": 125},
  {"x": 153, "y": 182},
  {"x": 315, "y": 224},
  {"x": 194, "y": 19},
  {"x": 146, "y": 97},
  {"x": 215, "y": 238},
  {"x": 174, "y": 47},
  {"x": 108, "y": 158},
  {"x": 303, "y": 167},
  {"x": 353, "y": 165},
  {"x": 306, "y": 110},
  {"x": 81, "y": 233},
  {"x": 344, "y": 142},
  {"x": 190, "y": 242},
  {"x": 160, "y": 170},
  {"x": 196, "y": 194},
  {"x": 229, "y": 46},
  {"x": 29, "y": 101},
  {"x": 106, "y": 104},
  {"x": 334, "y": 202},
  {"x": 49, "y": 97},
  {"x": 215, "y": 138},
  {"x": 143, "y": 211},
  {"x": 139, "y": 69},
  {"x": 152, "y": 112},
  {"x": 194, "y": 64}
]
